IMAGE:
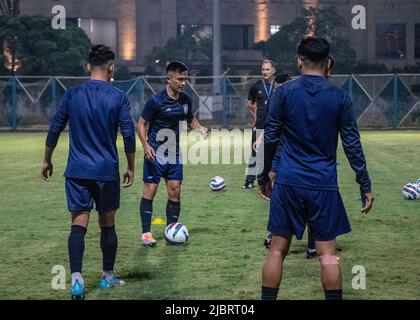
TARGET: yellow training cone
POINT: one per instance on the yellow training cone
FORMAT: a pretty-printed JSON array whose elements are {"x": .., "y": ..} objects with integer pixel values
[{"x": 158, "y": 221}]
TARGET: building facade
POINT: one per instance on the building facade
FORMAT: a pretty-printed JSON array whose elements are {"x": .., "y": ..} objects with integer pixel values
[{"x": 135, "y": 28}]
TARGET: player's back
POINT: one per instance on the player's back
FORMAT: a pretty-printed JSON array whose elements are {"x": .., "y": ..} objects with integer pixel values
[
  {"x": 94, "y": 110},
  {"x": 312, "y": 109}
]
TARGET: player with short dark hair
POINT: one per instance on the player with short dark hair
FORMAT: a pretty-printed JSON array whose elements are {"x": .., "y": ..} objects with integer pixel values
[
  {"x": 94, "y": 110},
  {"x": 162, "y": 115},
  {"x": 312, "y": 113}
]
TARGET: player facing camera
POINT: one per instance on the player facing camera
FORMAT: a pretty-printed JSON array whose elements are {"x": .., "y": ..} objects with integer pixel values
[
  {"x": 176, "y": 77},
  {"x": 101, "y": 62}
]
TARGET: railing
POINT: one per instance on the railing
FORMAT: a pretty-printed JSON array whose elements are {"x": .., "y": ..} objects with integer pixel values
[{"x": 387, "y": 101}]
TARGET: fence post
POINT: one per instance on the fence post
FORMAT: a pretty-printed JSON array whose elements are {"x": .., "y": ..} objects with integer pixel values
[
  {"x": 395, "y": 102},
  {"x": 225, "y": 103},
  {"x": 14, "y": 104},
  {"x": 141, "y": 90},
  {"x": 351, "y": 86},
  {"x": 53, "y": 97}
]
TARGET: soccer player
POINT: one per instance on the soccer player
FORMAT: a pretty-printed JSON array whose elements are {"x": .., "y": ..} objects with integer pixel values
[
  {"x": 258, "y": 97},
  {"x": 312, "y": 113},
  {"x": 162, "y": 159},
  {"x": 310, "y": 249},
  {"x": 94, "y": 110}
]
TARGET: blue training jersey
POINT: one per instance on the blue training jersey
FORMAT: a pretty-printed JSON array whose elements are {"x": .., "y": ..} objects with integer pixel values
[
  {"x": 312, "y": 113},
  {"x": 95, "y": 109},
  {"x": 163, "y": 112}
]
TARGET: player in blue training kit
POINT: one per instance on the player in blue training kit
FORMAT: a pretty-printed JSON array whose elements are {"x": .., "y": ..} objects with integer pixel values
[
  {"x": 310, "y": 249},
  {"x": 94, "y": 110},
  {"x": 163, "y": 114},
  {"x": 311, "y": 112}
]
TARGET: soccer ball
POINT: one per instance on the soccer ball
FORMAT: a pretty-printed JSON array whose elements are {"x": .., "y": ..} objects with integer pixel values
[
  {"x": 176, "y": 233},
  {"x": 411, "y": 191},
  {"x": 217, "y": 183}
]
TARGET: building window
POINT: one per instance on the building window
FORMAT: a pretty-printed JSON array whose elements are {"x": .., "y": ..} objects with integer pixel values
[
  {"x": 391, "y": 41},
  {"x": 237, "y": 37},
  {"x": 417, "y": 42},
  {"x": 274, "y": 28},
  {"x": 100, "y": 31}
]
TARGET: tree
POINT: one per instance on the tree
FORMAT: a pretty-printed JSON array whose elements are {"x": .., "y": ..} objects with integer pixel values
[
  {"x": 32, "y": 47},
  {"x": 122, "y": 73},
  {"x": 9, "y": 7},
  {"x": 281, "y": 47},
  {"x": 190, "y": 47}
]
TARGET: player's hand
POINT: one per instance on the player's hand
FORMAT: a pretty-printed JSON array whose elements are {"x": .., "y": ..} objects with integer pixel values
[
  {"x": 46, "y": 170},
  {"x": 128, "y": 178},
  {"x": 256, "y": 145},
  {"x": 367, "y": 202},
  {"x": 149, "y": 152},
  {"x": 271, "y": 175},
  {"x": 204, "y": 132}
]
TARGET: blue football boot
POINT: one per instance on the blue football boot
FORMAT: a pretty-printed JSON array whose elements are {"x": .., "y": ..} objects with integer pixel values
[
  {"x": 113, "y": 282},
  {"x": 77, "y": 291}
]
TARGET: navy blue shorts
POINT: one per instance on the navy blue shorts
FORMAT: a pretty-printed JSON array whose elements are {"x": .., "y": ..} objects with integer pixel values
[
  {"x": 81, "y": 193},
  {"x": 291, "y": 208},
  {"x": 154, "y": 170}
]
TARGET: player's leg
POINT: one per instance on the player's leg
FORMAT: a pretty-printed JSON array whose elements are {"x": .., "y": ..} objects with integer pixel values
[
  {"x": 79, "y": 203},
  {"x": 310, "y": 250},
  {"x": 285, "y": 208},
  {"x": 151, "y": 178},
  {"x": 109, "y": 246},
  {"x": 173, "y": 179},
  {"x": 330, "y": 269},
  {"x": 273, "y": 267},
  {"x": 76, "y": 249},
  {"x": 328, "y": 219},
  {"x": 250, "y": 178},
  {"x": 146, "y": 212},
  {"x": 173, "y": 206},
  {"x": 107, "y": 198}
]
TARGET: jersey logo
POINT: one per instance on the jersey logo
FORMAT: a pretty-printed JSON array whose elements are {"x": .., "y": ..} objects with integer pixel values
[{"x": 185, "y": 108}]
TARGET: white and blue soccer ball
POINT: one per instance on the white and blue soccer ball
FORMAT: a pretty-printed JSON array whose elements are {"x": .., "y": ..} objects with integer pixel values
[
  {"x": 176, "y": 233},
  {"x": 217, "y": 183},
  {"x": 411, "y": 191}
]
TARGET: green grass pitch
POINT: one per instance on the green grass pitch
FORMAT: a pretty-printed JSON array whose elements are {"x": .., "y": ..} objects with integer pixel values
[{"x": 224, "y": 257}]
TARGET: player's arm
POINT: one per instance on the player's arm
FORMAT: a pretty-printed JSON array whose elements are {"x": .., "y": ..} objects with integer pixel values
[
  {"x": 273, "y": 125},
  {"x": 252, "y": 107},
  {"x": 127, "y": 131},
  {"x": 252, "y": 102},
  {"x": 58, "y": 124},
  {"x": 149, "y": 113},
  {"x": 149, "y": 152},
  {"x": 350, "y": 139},
  {"x": 193, "y": 122},
  {"x": 195, "y": 125}
]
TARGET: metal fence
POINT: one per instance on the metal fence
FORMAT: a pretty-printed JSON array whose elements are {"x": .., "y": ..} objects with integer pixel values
[{"x": 388, "y": 101}]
